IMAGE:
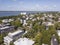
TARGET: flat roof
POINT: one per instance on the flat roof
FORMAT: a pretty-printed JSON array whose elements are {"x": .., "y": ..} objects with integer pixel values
[
  {"x": 4, "y": 27},
  {"x": 8, "y": 38},
  {"x": 16, "y": 32},
  {"x": 24, "y": 41},
  {"x": 58, "y": 32}
]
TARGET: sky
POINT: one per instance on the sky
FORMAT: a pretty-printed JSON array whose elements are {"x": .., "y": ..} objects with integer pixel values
[{"x": 29, "y": 5}]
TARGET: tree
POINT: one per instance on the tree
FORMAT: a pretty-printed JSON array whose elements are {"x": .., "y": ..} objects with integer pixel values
[
  {"x": 36, "y": 27},
  {"x": 59, "y": 39},
  {"x": 46, "y": 37},
  {"x": 38, "y": 39},
  {"x": 16, "y": 23},
  {"x": 11, "y": 43},
  {"x": 37, "y": 44},
  {"x": 1, "y": 39},
  {"x": 52, "y": 30},
  {"x": 30, "y": 34},
  {"x": 0, "y": 21},
  {"x": 57, "y": 25}
]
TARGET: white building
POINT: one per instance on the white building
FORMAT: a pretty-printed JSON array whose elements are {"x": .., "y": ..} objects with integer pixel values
[
  {"x": 7, "y": 20},
  {"x": 24, "y": 41},
  {"x": 11, "y": 20},
  {"x": 6, "y": 29},
  {"x": 43, "y": 18},
  {"x": 51, "y": 16},
  {"x": 47, "y": 24},
  {"x": 34, "y": 19},
  {"x": 58, "y": 32},
  {"x": 23, "y": 21},
  {"x": 12, "y": 37},
  {"x": 58, "y": 19},
  {"x": 7, "y": 40},
  {"x": 23, "y": 13}
]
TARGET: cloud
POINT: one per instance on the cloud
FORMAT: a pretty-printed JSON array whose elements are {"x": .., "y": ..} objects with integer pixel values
[
  {"x": 50, "y": 7},
  {"x": 54, "y": 6},
  {"x": 22, "y": 6},
  {"x": 37, "y": 5}
]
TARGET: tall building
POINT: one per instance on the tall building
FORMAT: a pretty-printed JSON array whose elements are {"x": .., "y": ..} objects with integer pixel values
[
  {"x": 13, "y": 37},
  {"x": 23, "y": 20}
]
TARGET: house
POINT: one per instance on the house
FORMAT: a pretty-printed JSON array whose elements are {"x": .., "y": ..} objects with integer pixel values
[
  {"x": 58, "y": 32},
  {"x": 6, "y": 29},
  {"x": 50, "y": 16},
  {"x": 7, "y": 40},
  {"x": 11, "y": 20},
  {"x": 7, "y": 20},
  {"x": 58, "y": 19},
  {"x": 47, "y": 24},
  {"x": 13, "y": 37},
  {"x": 5, "y": 24},
  {"x": 23, "y": 20},
  {"x": 42, "y": 18},
  {"x": 24, "y": 41},
  {"x": 34, "y": 19}
]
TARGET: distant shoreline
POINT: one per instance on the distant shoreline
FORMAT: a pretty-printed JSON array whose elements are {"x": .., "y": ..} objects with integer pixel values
[{"x": 15, "y": 13}]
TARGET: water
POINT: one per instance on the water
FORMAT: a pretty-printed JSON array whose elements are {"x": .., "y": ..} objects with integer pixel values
[{"x": 10, "y": 13}]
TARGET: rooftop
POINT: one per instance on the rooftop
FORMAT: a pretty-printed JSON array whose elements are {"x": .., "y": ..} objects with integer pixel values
[
  {"x": 24, "y": 41},
  {"x": 4, "y": 27},
  {"x": 8, "y": 38},
  {"x": 16, "y": 32}
]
